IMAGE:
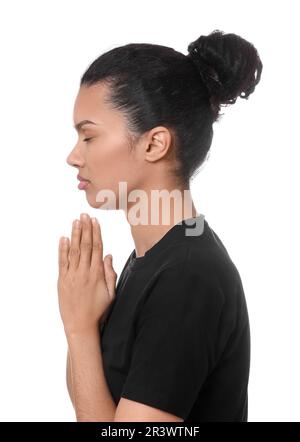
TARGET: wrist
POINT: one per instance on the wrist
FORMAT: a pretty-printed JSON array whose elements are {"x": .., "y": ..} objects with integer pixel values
[{"x": 82, "y": 335}]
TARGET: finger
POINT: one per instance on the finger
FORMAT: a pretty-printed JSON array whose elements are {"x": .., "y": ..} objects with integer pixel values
[
  {"x": 86, "y": 241},
  {"x": 110, "y": 276},
  {"x": 63, "y": 262},
  {"x": 97, "y": 250},
  {"x": 74, "y": 252}
]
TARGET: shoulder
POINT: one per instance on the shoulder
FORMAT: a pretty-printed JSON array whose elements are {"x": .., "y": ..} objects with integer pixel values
[
  {"x": 197, "y": 277},
  {"x": 195, "y": 262},
  {"x": 191, "y": 277},
  {"x": 211, "y": 262}
]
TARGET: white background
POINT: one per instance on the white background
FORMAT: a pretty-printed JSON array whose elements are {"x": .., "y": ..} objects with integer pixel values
[{"x": 248, "y": 189}]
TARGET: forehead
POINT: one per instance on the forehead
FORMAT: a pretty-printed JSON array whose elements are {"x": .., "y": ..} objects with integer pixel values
[{"x": 90, "y": 104}]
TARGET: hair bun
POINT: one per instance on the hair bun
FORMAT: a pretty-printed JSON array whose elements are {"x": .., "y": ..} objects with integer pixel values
[{"x": 227, "y": 64}]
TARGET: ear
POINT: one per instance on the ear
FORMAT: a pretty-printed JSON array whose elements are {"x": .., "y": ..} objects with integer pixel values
[{"x": 158, "y": 144}]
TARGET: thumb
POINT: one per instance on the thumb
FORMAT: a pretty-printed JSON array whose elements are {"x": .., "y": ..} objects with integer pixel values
[{"x": 110, "y": 275}]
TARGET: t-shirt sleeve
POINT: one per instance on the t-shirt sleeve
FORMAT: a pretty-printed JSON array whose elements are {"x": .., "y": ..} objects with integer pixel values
[{"x": 175, "y": 345}]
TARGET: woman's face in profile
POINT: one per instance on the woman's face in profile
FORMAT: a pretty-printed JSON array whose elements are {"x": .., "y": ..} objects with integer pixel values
[{"x": 105, "y": 159}]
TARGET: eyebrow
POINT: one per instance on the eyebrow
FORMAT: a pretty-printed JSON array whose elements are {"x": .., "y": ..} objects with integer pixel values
[{"x": 79, "y": 125}]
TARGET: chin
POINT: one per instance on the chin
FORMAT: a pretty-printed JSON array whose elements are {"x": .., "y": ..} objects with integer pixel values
[{"x": 103, "y": 205}]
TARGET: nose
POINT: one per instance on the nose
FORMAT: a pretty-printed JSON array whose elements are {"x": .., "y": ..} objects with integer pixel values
[{"x": 75, "y": 158}]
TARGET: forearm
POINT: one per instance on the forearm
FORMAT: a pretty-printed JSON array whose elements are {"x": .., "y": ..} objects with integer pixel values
[{"x": 92, "y": 399}]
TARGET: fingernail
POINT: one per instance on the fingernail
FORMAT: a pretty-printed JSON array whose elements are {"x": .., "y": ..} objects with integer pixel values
[
  {"x": 94, "y": 220},
  {"x": 77, "y": 223}
]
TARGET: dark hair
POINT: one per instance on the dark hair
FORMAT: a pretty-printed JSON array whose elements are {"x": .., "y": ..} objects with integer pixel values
[{"x": 156, "y": 85}]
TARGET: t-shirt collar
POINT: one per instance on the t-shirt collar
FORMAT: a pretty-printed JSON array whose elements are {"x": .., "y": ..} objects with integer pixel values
[{"x": 175, "y": 233}]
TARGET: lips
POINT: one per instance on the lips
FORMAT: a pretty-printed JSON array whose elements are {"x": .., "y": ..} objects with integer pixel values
[
  {"x": 80, "y": 178},
  {"x": 83, "y": 185}
]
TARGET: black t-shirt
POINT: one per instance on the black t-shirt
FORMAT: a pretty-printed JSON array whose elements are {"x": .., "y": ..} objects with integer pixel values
[{"x": 177, "y": 335}]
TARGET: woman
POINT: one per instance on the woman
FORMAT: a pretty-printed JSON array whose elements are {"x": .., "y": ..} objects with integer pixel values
[{"x": 172, "y": 341}]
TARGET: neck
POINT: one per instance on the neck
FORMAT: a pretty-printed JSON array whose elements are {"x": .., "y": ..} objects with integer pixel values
[{"x": 150, "y": 220}]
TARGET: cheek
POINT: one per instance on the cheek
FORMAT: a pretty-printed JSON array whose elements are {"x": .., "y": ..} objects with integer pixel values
[{"x": 111, "y": 163}]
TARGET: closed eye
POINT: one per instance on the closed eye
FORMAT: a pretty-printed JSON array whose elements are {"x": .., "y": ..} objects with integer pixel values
[{"x": 87, "y": 139}]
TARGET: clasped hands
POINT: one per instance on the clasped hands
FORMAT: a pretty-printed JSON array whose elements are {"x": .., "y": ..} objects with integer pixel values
[{"x": 86, "y": 282}]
